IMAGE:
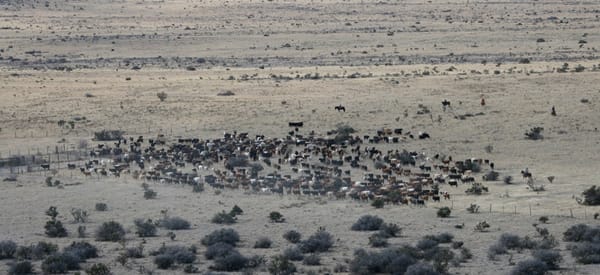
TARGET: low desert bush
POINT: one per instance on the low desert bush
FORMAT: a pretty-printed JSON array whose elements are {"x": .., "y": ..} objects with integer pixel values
[
  {"x": 60, "y": 263},
  {"x": 7, "y": 249},
  {"x": 149, "y": 194},
  {"x": 100, "y": 206},
  {"x": 55, "y": 229},
  {"x": 98, "y": 269},
  {"x": 36, "y": 251},
  {"x": 292, "y": 236},
  {"x": 161, "y": 96},
  {"x": 276, "y": 217},
  {"x": 421, "y": 269},
  {"x": 166, "y": 256},
  {"x": 233, "y": 261},
  {"x": 164, "y": 261},
  {"x": 263, "y": 242},
  {"x": 21, "y": 268},
  {"x": 367, "y": 223},
  {"x": 378, "y": 203},
  {"x": 530, "y": 267},
  {"x": 293, "y": 254},
  {"x": 444, "y": 212},
  {"x": 591, "y": 196},
  {"x": 236, "y": 210},
  {"x": 390, "y": 230},
  {"x": 586, "y": 252},
  {"x": 312, "y": 260},
  {"x": 391, "y": 261},
  {"x": 496, "y": 249},
  {"x": 582, "y": 233},
  {"x": 534, "y": 133},
  {"x": 321, "y": 241},
  {"x": 218, "y": 250},
  {"x": 110, "y": 232},
  {"x": 174, "y": 223},
  {"x": 491, "y": 176},
  {"x": 225, "y": 235},
  {"x": 377, "y": 240},
  {"x": 145, "y": 228},
  {"x": 83, "y": 250},
  {"x": 551, "y": 258},
  {"x": 136, "y": 252},
  {"x": 280, "y": 265},
  {"x": 223, "y": 218}
]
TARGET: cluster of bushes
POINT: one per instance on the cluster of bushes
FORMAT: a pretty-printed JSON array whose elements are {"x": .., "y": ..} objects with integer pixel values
[
  {"x": 427, "y": 257},
  {"x": 292, "y": 236},
  {"x": 591, "y": 196},
  {"x": 110, "y": 232},
  {"x": 587, "y": 243},
  {"x": 167, "y": 256},
  {"x": 477, "y": 189},
  {"x": 70, "y": 259},
  {"x": 54, "y": 227},
  {"x": 174, "y": 223},
  {"x": 375, "y": 223},
  {"x": 221, "y": 248},
  {"x": 148, "y": 192}
]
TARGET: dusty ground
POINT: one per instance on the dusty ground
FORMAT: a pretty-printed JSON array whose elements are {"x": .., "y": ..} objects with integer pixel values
[{"x": 294, "y": 61}]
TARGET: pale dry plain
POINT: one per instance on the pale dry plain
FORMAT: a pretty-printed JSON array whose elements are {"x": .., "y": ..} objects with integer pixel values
[{"x": 380, "y": 59}]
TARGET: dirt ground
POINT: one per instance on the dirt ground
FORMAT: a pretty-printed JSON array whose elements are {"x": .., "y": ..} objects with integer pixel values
[{"x": 100, "y": 64}]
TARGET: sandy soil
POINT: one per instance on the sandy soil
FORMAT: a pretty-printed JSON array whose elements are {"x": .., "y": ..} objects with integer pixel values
[{"x": 294, "y": 61}]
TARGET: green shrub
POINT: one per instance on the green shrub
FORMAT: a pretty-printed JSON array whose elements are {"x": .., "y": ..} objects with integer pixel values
[
  {"x": 444, "y": 212},
  {"x": 144, "y": 228},
  {"x": 367, "y": 223},
  {"x": 98, "y": 269},
  {"x": 21, "y": 268},
  {"x": 7, "y": 249},
  {"x": 110, "y": 232},
  {"x": 280, "y": 265},
  {"x": 276, "y": 217},
  {"x": 174, "y": 223},
  {"x": 292, "y": 236},
  {"x": 223, "y": 218},
  {"x": 225, "y": 235},
  {"x": 263, "y": 242},
  {"x": 321, "y": 241}
]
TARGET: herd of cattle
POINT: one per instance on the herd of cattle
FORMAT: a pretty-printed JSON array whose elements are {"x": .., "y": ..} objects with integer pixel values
[{"x": 351, "y": 167}]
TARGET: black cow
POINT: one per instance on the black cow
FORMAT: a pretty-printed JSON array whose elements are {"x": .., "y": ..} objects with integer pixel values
[
  {"x": 46, "y": 166},
  {"x": 296, "y": 124}
]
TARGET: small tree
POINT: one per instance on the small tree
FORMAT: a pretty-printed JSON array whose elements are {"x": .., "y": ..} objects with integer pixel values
[
  {"x": 162, "y": 96},
  {"x": 54, "y": 227}
]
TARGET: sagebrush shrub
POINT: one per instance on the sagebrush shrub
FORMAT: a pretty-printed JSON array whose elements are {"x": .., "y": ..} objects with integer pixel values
[
  {"x": 292, "y": 236},
  {"x": 110, "y": 232},
  {"x": 444, "y": 212},
  {"x": 223, "y": 218},
  {"x": 7, "y": 249},
  {"x": 219, "y": 249},
  {"x": 174, "y": 223},
  {"x": 98, "y": 269},
  {"x": 530, "y": 267},
  {"x": 367, "y": 223},
  {"x": 321, "y": 241},
  {"x": 21, "y": 268},
  {"x": 83, "y": 250},
  {"x": 312, "y": 259},
  {"x": 233, "y": 261},
  {"x": 551, "y": 258},
  {"x": 281, "y": 265},
  {"x": 100, "y": 206},
  {"x": 144, "y": 228},
  {"x": 263, "y": 242},
  {"x": 293, "y": 254},
  {"x": 224, "y": 235}
]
